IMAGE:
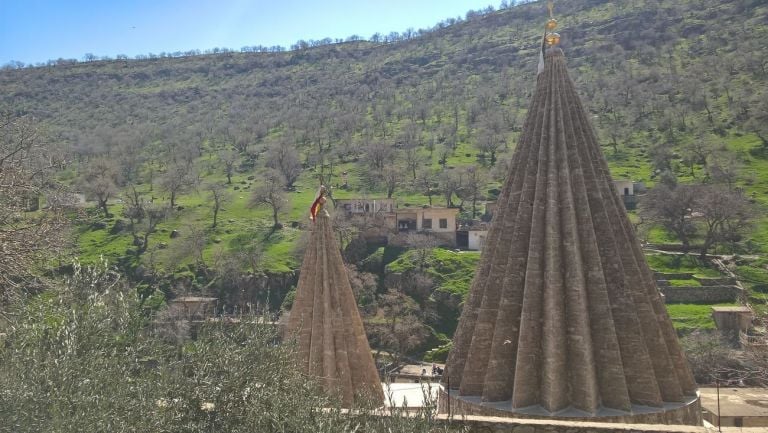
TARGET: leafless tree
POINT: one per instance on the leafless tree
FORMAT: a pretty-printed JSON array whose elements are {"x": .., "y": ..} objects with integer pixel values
[
  {"x": 425, "y": 182},
  {"x": 99, "y": 180},
  {"x": 472, "y": 190},
  {"x": 451, "y": 183},
  {"x": 391, "y": 176},
  {"x": 421, "y": 245},
  {"x": 228, "y": 159},
  {"x": 219, "y": 196},
  {"x": 724, "y": 167},
  {"x": 489, "y": 143},
  {"x": 177, "y": 179},
  {"x": 364, "y": 286},
  {"x": 26, "y": 236},
  {"x": 143, "y": 217},
  {"x": 697, "y": 151},
  {"x": 413, "y": 160},
  {"x": 284, "y": 158},
  {"x": 672, "y": 208},
  {"x": 377, "y": 154},
  {"x": 270, "y": 193},
  {"x": 726, "y": 214},
  {"x": 404, "y": 331}
]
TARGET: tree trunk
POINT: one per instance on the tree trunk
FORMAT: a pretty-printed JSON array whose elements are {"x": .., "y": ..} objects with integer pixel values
[{"x": 103, "y": 205}]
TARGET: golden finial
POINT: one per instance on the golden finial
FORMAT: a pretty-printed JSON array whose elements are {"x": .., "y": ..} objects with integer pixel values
[{"x": 551, "y": 38}]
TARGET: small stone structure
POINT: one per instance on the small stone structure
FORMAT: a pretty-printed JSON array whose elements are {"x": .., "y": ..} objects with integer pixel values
[
  {"x": 564, "y": 319},
  {"x": 325, "y": 321},
  {"x": 733, "y": 322},
  {"x": 738, "y": 407},
  {"x": 192, "y": 307},
  {"x": 700, "y": 294}
]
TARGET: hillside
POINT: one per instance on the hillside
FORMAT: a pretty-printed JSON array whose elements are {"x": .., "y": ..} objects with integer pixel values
[{"x": 660, "y": 77}]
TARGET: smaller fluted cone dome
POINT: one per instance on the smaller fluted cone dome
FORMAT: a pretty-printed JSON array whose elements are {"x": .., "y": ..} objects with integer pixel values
[
  {"x": 563, "y": 316},
  {"x": 325, "y": 319}
]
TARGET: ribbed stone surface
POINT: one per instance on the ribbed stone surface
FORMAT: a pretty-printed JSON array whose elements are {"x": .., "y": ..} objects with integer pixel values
[
  {"x": 563, "y": 312},
  {"x": 326, "y": 322}
]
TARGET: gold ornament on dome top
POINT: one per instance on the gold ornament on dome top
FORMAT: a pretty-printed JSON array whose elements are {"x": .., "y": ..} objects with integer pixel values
[
  {"x": 551, "y": 24},
  {"x": 552, "y": 39}
]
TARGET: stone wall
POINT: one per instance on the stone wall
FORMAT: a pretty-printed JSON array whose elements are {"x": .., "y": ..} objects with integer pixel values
[
  {"x": 703, "y": 294},
  {"x": 685, "y": 414}
]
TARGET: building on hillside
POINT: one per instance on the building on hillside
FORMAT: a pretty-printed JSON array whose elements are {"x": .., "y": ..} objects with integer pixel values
[
  {"x": 472, "y": 236},
  {"x": 359, "y": 206},
  {"x": 438, "y": 221},
  {"x": 626, "y": 190}
]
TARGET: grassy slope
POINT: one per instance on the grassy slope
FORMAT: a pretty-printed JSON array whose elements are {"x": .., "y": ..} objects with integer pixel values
[{"x": 475, "y": 43}]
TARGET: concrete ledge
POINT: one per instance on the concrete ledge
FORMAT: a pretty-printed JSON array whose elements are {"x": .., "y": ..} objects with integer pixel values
[
  {"x": 488, "y": 424},
  {"x": 687, "y": 413}
]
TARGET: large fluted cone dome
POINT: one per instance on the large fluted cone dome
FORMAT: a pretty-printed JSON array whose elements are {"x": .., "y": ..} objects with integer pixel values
[
  {"x": 325, "y": 319},
  {"x": 563, "y": 316}
]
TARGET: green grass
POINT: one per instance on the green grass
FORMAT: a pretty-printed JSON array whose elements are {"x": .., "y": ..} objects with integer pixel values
[
  {"x": 691, "y": 317},
  {"x": 679, "y": 263},
  {"x": 684, "y": 283},
  {"x": 452, "y": 271}
]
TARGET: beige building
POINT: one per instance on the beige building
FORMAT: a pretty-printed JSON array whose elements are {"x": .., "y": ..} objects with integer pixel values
[
  {"x": 359, "y": 206},
  {"x": 427, "y": 219}
]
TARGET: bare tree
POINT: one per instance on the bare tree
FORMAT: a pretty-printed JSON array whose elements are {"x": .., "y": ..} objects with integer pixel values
[
  {"x": 672, "y": 208},
  {"x": 228, "y": 159},
  {"x": 489, "y": 143},
  {"x": 472, "y": 190},
  {"x": 377, "y": 154},
  {"x": 391, "y": 176},
  {"x": 451, "y": 183},
  {"x": 270, "y": 193},
  {"x": 404, "y": 331},
  {"x": 426, "y": 184},
  {"x": 726, "y": 214},
  {"x": 177, "y": 179},
  {"x": 26, "y": 236},
  {"x": 218, "y": 195},
  {"x": 413, "y": 160},
  {"x": 143, "y": 216},
  {"x": 99, "y": 180},
  {"x": 421, "y": 245},
  {"x": 284, "y": 158},
  {"x": 697, "y": 151},
  {"x": 724, "y": 167}
]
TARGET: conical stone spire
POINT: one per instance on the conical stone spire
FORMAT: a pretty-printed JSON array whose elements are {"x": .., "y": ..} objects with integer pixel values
[
  {"x": 331, "y": 340},
  {"x": 563, "y": 318}
]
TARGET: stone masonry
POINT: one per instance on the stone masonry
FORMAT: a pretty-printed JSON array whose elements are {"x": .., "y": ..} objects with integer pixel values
[
  {"x": 564, "y": 318},
  {"x": 326, "y": 322}
]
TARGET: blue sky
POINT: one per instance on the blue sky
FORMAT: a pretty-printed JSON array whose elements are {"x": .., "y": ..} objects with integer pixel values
[{"x": 37, "y": 30}]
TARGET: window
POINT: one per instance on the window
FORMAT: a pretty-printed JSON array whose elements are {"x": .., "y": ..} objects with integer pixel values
[
  {"x": 443, "y": 223},
  {"x": 626, "y": 191},
  {"x": 426, "y": 223}
]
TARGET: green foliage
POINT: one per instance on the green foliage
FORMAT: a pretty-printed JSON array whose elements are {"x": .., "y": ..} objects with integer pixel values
[
  {"x": 451, "y": 270},
  {"x": 681, "y": 263},
  {"x": 438, "y": 354},
  {"x": 691, "y": 317},
  {"x": 645, "y": 87},
  {"x": 86, "y": 357},
  {"x": 684, "y": 283}
]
